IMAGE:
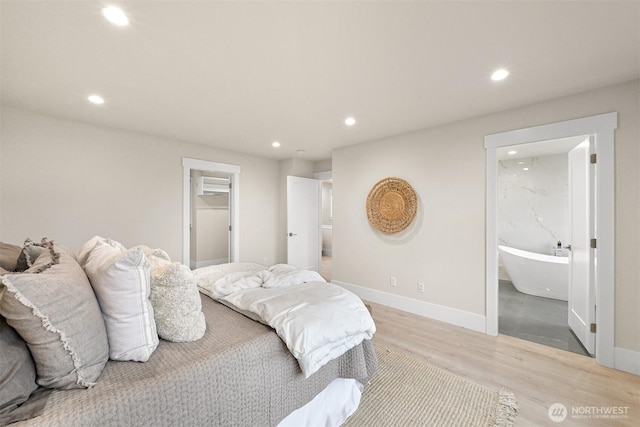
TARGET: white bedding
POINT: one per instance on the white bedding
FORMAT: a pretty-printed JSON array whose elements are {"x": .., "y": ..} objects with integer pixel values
[
  {"x": 330, "y": 408},
  {"x": 318, "y": 321}
]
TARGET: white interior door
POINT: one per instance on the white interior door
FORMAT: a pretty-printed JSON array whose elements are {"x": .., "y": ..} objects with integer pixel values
[
  {"x": 303, "y": 223},
  {"x": 581, "y": 274}
]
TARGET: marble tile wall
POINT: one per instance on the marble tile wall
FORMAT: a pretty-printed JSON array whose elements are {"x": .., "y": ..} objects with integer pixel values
[{"x": 533, "y": 202}]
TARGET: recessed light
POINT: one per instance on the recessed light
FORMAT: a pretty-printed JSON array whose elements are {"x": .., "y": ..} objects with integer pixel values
[
  {"x": 500, "y": 74},
  {"x": 521, "y": 163},
  {"x": 512, "y": 152},
  {"x": 525, "y": 169},
  {"x": 275, "y": 144},
  {"x": 95, "y": 99},
  {"x": 350, "y": 121},
  {"x": 115, "y": 15},
  {"x": 300, "y": 151}
]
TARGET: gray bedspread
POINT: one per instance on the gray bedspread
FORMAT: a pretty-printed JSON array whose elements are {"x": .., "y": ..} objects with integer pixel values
[{"x": 239, "y": 374}]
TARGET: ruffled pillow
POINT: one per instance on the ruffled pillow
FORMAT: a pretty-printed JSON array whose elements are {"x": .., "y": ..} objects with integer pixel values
[{"x": 68, "y": 351}]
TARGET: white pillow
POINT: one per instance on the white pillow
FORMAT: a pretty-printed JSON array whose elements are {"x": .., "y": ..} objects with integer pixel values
[
  {"x": 120, "y": 280},
  {"x": 88, "y": 246}
]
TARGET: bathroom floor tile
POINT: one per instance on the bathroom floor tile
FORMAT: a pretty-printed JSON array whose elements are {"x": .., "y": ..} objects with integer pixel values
[{"x": 537, "y": 319}]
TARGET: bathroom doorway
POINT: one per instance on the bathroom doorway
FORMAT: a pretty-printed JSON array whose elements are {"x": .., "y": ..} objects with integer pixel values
[
  {"x": 601, "y": 128},
  {"x": 543, "y": 227}
]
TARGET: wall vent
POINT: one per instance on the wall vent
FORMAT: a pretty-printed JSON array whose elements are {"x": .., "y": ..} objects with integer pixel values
[{"x": 208, "y": 185}]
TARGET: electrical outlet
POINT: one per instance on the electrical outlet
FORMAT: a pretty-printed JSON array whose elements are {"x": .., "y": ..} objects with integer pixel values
[
  {"x": 392, "y": 282},
  {"x": 421, "y": 287}
]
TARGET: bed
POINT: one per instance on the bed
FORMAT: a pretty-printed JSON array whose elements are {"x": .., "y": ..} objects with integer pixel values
[{"x": 240, "y": 373}]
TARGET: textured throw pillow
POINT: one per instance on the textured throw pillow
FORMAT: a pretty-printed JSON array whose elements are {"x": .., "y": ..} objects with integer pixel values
[
  {"x": 176, "y": 301},
  {"x": 56, "y": 313},
  {"x": 17, "y": 371},
  {"x": 120, "y": 280},
  {"x": 9, "y": 256},
  {"x": 159, "y": 253}
]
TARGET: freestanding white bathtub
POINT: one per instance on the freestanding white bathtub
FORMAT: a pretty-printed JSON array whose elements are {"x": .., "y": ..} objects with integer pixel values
[{"x": 537, "y": 274}]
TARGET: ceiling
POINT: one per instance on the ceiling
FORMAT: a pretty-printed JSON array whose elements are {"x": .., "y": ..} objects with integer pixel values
[
  {"x": 540, "y": 148},
  {"x": 240, "y": 75}
]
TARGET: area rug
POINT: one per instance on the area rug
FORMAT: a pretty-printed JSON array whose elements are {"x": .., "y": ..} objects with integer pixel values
[{"x": 407, "y": 392}]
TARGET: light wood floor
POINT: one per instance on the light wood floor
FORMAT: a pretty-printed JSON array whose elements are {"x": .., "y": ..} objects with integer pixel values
[
  {"x": 325, "y": 268},
  {"x": 538, "y": 375}
]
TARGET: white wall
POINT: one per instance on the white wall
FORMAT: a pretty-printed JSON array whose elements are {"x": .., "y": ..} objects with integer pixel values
[
  {"x": 322, "y": 165},
  {"x": 69, "y": 180},
  {"x": 533, "y": 204},
  {"x": 213, "y": 232},
  {"x": 446, "y": 167}
]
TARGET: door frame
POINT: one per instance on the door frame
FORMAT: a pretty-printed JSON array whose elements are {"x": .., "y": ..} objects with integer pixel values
[
  {"x": 189, "y": 164},
  {"x": 602, "y": 127}
]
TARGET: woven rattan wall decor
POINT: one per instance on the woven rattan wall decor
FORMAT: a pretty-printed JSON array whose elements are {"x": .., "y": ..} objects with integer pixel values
[{"x": 391, "y": 205}]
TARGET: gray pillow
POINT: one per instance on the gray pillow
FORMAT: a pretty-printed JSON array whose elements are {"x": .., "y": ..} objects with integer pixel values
[
  {"x": 40, "y": 256},
  {"x": 30, "y": 252},
  {"x": 17, "y": 371},
  {"x": 9, "y": 256},
  {"x": 70, "y": 351}
]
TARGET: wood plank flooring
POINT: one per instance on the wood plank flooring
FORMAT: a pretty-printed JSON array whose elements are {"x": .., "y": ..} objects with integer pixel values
[
  {"x": 538, "y": 375},
  {"x": 325, "y": 268}
]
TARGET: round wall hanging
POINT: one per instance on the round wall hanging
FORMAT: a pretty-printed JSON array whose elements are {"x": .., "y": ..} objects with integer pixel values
[{"x": 391, "y": 205}]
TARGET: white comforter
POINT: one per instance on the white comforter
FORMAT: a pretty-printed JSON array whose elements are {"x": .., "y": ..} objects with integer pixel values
[{"x": 318, "y": 321}]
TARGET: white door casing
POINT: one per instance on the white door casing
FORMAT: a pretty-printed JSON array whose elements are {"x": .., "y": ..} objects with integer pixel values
[
  {"x": 303, "y": 223},
  {"x": 581, "y": 311}
]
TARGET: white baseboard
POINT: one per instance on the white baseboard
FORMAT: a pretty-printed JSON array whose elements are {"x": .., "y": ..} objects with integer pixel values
[
  {"x": 475, "y": 322},
  {"x": 626, "y": 360}
]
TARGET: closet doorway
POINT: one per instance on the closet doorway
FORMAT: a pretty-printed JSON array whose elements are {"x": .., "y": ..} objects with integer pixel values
[
  {"x": 210, "y": 218},
  {"x": 210, "y": 213}
]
